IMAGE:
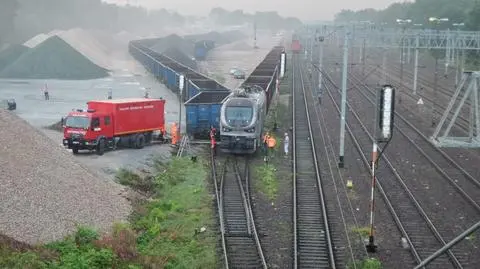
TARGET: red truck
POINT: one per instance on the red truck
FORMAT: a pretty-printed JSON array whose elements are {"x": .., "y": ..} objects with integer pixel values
[{"x": 108, "y": 124}]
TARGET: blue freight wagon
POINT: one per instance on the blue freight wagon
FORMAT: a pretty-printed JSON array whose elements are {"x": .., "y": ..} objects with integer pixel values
[
  {"x": 203, "y": 111},
  {"x": 200, "y": 53},
  {"x": 198, "y": 85}
]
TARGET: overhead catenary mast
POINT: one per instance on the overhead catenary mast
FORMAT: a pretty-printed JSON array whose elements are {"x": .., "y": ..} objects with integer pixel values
[{"x": 254, "y": 34}]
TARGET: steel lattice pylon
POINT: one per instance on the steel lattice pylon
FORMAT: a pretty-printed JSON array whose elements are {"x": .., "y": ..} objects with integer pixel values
[{"x": 469, "y": 87}]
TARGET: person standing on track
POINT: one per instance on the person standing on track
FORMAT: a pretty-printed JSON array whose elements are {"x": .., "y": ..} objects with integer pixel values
[
  {"x": 271, "y": 143},
  {"x": 265, "y": 146},
  {"x": 213, "y": 142},
  {"x": 286, "y": 142},
  {"x": 174, "y": 134},
  {"x": 45, "y": 92}
]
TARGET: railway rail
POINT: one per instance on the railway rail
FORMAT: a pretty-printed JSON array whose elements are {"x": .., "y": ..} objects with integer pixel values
[
  {"x": 410, "y": 215},
  {"x": 313, "y": 245},
  {"x": 462, "y": 123},
  {"x": 239, "y": 238}
]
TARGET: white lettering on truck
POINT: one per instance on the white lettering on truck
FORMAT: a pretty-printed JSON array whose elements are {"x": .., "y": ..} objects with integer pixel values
[{"x": 135, "y": 107}]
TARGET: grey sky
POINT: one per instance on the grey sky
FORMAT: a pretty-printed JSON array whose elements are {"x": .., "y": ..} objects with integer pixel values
[{"x": 303, "y": 9}]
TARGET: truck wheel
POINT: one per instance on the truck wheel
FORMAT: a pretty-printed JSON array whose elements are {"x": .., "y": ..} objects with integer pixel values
[
  {"x": 140, "y": 141},
  {"x": 101, "y": 147},
  {"x": 75, "y": 150}
]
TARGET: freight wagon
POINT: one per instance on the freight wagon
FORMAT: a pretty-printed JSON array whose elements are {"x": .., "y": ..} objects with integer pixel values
[
  {"x": 266, "y": 74},
  {"x": 107, "y": 124},
  {"x": 201, "y": 49},
  {"x": 203, "y": 112},
  {"x": 296, "y": 46}
]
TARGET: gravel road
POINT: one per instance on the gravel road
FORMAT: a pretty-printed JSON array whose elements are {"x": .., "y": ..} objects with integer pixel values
[{"x": 45, "y": 192}]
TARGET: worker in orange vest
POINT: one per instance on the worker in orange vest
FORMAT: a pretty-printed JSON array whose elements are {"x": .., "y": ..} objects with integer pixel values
[
  {"x": 213, "y": 142},
  {"x": 269, "y": 143},
  {"x": 174, "y": 131}
]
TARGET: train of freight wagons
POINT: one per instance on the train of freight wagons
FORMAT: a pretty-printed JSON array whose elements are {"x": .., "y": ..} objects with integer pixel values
[{"x": 239, "y": 114}]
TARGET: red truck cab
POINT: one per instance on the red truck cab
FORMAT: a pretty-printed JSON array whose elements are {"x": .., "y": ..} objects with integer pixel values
[{"x": 107, "y": 124}]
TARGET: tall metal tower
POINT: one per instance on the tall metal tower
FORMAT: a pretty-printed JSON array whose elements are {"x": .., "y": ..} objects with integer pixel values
[{"x": 255, "y": 34}]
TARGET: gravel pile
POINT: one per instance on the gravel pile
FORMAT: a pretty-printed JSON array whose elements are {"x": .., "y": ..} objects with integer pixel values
[
  {"x": 34, "y": 41},
  {"x": 53, "y": 59},
  {"x": 213, "y": 36},
  {"x": 85, "y": 43},
  {"x": 10, "y": 54},
  {"x": 239, "y": 46},
  {"x": 173, "y": 41},
  {"x": 45, "y": 192},
  {"x": 180, "y": 57},
  {"x": 233, "y": 35}
]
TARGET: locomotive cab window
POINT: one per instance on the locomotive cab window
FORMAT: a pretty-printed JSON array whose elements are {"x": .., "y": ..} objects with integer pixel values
[{"x": 239, "y": 115}]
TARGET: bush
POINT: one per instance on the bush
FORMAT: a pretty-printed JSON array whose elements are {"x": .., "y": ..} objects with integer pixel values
[
  {"x": 164, "y": 234},
  {"x": 128, "y": 178}
]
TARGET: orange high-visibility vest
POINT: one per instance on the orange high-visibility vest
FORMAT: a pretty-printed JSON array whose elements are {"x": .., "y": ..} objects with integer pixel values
[
  {"x": 173, "y": 131},
  {"x": 271, "y": 142}
]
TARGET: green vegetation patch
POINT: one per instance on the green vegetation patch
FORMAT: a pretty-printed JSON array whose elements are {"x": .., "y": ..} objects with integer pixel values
[
  {"x": 53, "y": 59},
  {"x": 267, "y": 181},
  {"x": 368, "y": 263},
  {"x": 362, "y": 231},
  {"x": 11, "y": 54},
  {"x": 173, "y": 229},
  {"x": 177, "y": 227}
]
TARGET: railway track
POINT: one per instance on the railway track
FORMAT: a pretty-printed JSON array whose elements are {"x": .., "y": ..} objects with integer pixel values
[
  {"x": 461, "y": 124},
  {"x": 409, "y": 214},
  {"x": 239, "y": 238},
  {"x": 313, "y": 245},
  {"x": 452, "y": 171}
]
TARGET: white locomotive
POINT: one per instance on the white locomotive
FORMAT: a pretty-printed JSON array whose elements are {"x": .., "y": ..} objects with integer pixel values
[{"x": 242, "y": 117}]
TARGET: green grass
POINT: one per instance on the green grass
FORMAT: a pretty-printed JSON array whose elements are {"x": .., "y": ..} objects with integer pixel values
[
  {"x": 368, "y": 263},
  {"x": 168, "y": 229},
  {"x": 267, "y": 180},
  {"x": 363, "y": 231},
  {"x": 164, "y": 232}
]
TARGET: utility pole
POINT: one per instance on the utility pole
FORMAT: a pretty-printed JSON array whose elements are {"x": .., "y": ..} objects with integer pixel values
[
  {"x": 384, "y": 66},
  {"x": 255, "y": 34},
  {"x": 320, "y": 66},
  {"x": 434, "y": 118},
  {"x": 341, "y": 162},
  {"x": 447, "y": 54},
  {"x": 181, "y": 85},
  {"x": 363, "y": 57},
  {"x": 401, "y": 67},
  {"x": 415, "y": 73}
]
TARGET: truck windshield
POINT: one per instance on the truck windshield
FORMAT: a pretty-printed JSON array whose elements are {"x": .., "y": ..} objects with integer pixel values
[
  {"x": 77, "y": 122},
  {"x": 239, "y": 115}
]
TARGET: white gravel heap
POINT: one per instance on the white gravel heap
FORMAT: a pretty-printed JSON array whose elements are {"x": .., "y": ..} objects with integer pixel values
[
  {"x": 44, "y": 192},
  {"x": 34, "y": 41}
]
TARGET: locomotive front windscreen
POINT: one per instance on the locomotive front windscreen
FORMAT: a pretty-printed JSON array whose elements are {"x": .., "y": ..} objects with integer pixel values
[{"x": 239, "y": 116}]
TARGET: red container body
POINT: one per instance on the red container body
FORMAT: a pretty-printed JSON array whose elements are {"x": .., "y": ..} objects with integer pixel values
[
  {"x": 132, "y": 115},
  {"x": 296, "y": 46}
]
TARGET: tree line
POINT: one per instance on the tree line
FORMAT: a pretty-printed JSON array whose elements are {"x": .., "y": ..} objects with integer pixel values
[
  {"x": 419, "y": 11},
  {"x": 461, "y": 14},
  {"x": 263, "y": 20},
  {"x": 23, "y": 19}
]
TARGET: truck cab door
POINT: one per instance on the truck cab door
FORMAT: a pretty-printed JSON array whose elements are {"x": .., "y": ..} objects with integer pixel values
[{"x": 107, "y": 126}]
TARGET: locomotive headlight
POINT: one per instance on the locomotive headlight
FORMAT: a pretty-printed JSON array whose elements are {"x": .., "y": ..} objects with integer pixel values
[
  {"x": 225, "y": 129},
  {"x": 251, "y": 130}
]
